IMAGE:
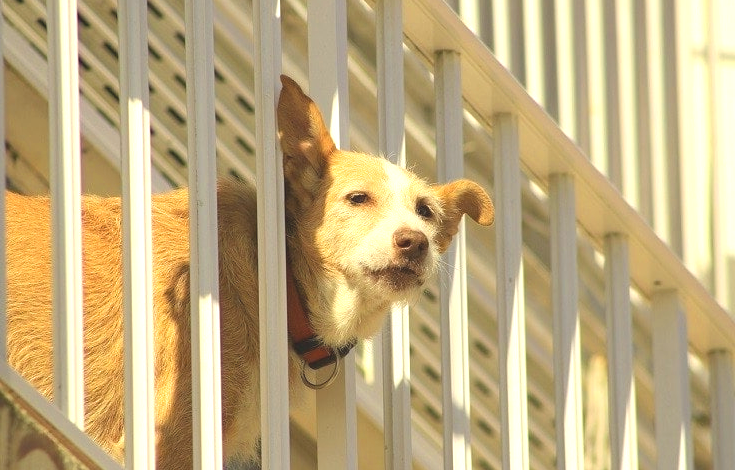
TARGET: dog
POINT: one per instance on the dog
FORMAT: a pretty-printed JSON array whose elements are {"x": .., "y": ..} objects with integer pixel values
[{"x": 362, "y": 236}]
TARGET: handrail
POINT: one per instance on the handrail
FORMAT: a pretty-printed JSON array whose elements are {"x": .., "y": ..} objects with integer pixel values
[{"x": 488, "y": 89}]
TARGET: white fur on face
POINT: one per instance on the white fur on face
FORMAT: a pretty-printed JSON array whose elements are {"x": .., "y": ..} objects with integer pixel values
[
  {"x": 392, "y": 198},
  {"x": 395, "y": 209},
  {"x": 355, "y": 242}
]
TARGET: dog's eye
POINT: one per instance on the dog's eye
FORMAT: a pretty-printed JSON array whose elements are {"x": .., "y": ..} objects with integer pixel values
[
  {"x": 357, "y": 198},
  {"x": 424, "y": 210}
]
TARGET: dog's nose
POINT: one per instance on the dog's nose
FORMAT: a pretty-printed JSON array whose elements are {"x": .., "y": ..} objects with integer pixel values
[{"x": 411, "y": 244}]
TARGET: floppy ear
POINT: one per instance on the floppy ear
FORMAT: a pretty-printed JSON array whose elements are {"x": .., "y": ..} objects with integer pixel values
[
  {"x": 305, "y": 140},
  {"x": 458, "y": 198}
]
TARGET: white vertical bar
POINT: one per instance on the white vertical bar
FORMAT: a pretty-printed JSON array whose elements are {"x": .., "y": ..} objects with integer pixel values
[
  {"x": 722, "y": 409},
  {"x": 641, "y": 91},
  {"x": 271, "y": 240},
  {"x": 621, "y": 383},
  {"x": 671, "y": 382},
  {"x": 511, "y": 306},
  {"x": 204, "y": 269},
  {"x": 335, "y": 405},
  {"x": 453, "y": 279},
  {"x": 564, "y": 293},
  {"x": 658, "y": 116},
  {"x": 542, "y": 54},
  {"x": 477, "y": 15},
  {"x": 611, "y": 80},
  {"x": 627, "y": 101},
  {"x": 566, "y": 40},
  {"x": 66, "y": 208},
  {"x": 391, "y": 136},
  {"x": 3, "y": 236},
  {"x": 597, "y": 85},
  {"x": 534, "y": 31},
  {"x": 508, "y": 36},
  {"x": 723, "y": 162},
  {"x": 676, "y": 67},
  {"x": 136, "y": 223},
  {"x": 573, "y": 86}
]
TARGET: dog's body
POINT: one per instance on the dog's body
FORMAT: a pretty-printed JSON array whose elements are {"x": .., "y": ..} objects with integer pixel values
[{"x": 362, "y": 235}]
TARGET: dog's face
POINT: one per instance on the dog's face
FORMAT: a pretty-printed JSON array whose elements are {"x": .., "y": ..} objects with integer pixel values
[{"x": 375, "y": 229}]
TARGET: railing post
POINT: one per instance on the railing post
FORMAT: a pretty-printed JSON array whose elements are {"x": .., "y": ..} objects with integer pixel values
[
  {"x": 722, "y": 409},
  {"x": 203, "y": 237},
  {"x": 136, "y": 222},
  {"x": 511, "y": 305},
  {"x": 453, "y": 279},
  {"x": 3, "y": 236},
  {"x": 671, "y": 382},
  {"x": 611, "y": 88},
  {"x": 66, "y": 208},
  {"x": 540, "y": 54},
  {"x": 567, "y": 356},
  {"x": 396, "y": 360},
  {"x": 572, "y": 82},
  {"x": 274, "y": 399},
  {"x": 327, "y": 30},
  {"x": 621, "y": 382},
  {"x": 508, "y": 41}
]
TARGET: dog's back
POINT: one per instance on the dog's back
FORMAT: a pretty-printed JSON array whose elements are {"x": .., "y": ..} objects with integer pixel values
[
  {"x": 30, "y": 306},
  {"x": 30, "y": 303}
]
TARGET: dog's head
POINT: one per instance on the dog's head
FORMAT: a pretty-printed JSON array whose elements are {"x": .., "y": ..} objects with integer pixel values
[{"x": 369, "y": 230}]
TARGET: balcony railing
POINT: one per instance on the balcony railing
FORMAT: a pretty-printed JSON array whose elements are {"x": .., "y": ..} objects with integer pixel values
[{"x": 505, "y": 339}]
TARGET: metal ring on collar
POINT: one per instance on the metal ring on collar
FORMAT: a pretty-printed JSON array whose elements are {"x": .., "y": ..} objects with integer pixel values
[{"x": 326, "y": 383}]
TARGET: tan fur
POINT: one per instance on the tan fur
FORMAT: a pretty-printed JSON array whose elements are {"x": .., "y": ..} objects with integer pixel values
[{"x": 345, "y": 257}]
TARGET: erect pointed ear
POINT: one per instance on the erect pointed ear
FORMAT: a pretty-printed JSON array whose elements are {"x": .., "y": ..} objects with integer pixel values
[
  {"x": 458, "y": 198},
  {"x": 305, "y": 140}
]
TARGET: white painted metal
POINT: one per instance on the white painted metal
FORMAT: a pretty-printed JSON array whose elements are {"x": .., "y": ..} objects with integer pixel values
[
  {"x": 336, "y": 407},
  {"x": 391, "y": 136},
  {"x": 671, "y": 376},
  {"x": 66, "y": 211},
  {"x": 597, "y": 83},
  {"x": 508, "y": 39},
  {"x": 722, "y": 409},
  {"x": 621, "y": 382},
  {"x": 723, "y": 162},
  {"x": 641, "y": 92},
  {"x": 136, "y": 224},
  {"x": 534, "y": 51},
  {"x": 627, "y": 51},
  {"x": 204, "y": 268},
  {"x": 573, "y": 89},
  {"x": 610, "y": 82},
  {"x": 476, "y": 15},
  {"x": 564, "y": 295},
  {"x": 510, "y": 293},
  {"x": 274, "y": 388},
  {"x": 455, "y": 368},
  {"x": 540, "y": 54},
  {"x": 667, "y": 186},
  {"x": 3, "y": 236},
  {"x": 489, "y": 88},
  {"x": 337, "y": 419},
  {"x": 659, "y": 215}
]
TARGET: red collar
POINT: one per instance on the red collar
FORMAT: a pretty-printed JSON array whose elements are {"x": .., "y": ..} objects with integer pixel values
[{"x": 304, "y": 340}]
